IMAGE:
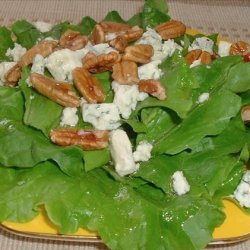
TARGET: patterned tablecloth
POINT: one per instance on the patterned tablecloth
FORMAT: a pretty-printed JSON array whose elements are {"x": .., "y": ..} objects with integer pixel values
[{"x": 230, "y": 18}]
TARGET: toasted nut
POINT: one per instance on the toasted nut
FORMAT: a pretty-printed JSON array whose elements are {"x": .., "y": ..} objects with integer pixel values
[
  {"x": 197, "y": 54},
  {"x": 101, "y": 63},
  {"x": 247, "y": 58},
  {"x": 86, "y": 139},
  {"x": 133, "y": 34},
  {"x": 245, "y": 114},
  {"x": 119, "y": 43},
  {"x": 110, "y": 27},
  {"x": 193, "y": 55},
  {"x": 140, "y": 53},
  {"x": 88, "y": 86},
  {"x": 13, "y": 75},
  {"x": 97, "y": 36},
  {"x": 239, "y": 48},
  {"x": 88, "y": 56},
  {"x": 205, "y": 57},
  {"x": 125, "y": 72},
  {"x": 171, "y": 29},
  {"x": 43, "y": 48},
  {"x": 60, "y": 92},
  {"x": 154, "y": 88},
  {"x": 73, "y": 40}
]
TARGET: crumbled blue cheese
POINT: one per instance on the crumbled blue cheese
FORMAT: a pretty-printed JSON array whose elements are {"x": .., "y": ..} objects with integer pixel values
[
  {"x": 242, "y": 192},
  {"x": 169, "y": 47},
  {"x": 4, "y": 68},
  {"x": 38, "y": 64},
  {"x": 101, "y": 48},
  {"x": 224, "y": 48},
  {"x": 150, "y": 71},
  {"x": 110, "y": 36},
  {"x": 152, "y": 38},
  {"x": 203, "y": 97},
  {"x": 121, "y": 152},
  {"x": 62, "y": 62},
  {"x": 126, "y": 97},
  {"x": 195, "y": 63},
  {"x": 143, "y": 151},
  {"x": 69, "y": 117},
  {"x": 16, "y": 53},
  {"x": 180, "y": 184},
  {"x": 43, "y": 26},
  {"x": 202, "y": 43},
  {"x": 103, "y": 116}
]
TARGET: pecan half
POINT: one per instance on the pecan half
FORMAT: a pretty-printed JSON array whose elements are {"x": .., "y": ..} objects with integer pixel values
[
  {"x": 101, "y": 63},
  {"x": 88, "y": 86},
  {"x": 133, "y": 34},
  {"x": 154, "y": 88},
  {"x": 86, "y": 139},
  {"x": 125, "y": 72},
  {"x": 43, "y": 48},
  {"x": 73, "y": 40},
  {"x": 245, "y": 114},
  {"x": 89, "y": 55},
  {"x": 205, "y": 57},
  {"x": 119, "y": 43},
  {"x": 110, "y": 27},
  {"x": 197, "y": 54},
  {"x": 60, "y": 92},
  {"x": 239, "y": 48},
  {"x": 171, "y": 29},
  {"x": 13, "y": 75},
  {"x": 140, "y": 53},
  {"x": 97, "y": 35}
]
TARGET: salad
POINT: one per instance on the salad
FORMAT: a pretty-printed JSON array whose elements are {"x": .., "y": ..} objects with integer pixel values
[{"x": 134, "y": 129}]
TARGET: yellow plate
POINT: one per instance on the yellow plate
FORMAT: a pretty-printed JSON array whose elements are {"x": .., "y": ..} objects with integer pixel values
[{"x": 235, "y": 228}]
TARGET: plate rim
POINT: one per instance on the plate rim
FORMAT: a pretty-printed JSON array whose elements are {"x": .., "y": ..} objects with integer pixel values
[{"x": 97, "y": 239}]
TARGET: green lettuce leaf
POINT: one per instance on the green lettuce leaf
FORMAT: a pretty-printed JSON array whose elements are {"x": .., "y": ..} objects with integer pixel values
[
  {"x": 26, "y": 33},
  {"x": 154, "y": 13},
  {"x": 114, "y": 16},
  {"x": 144, "y": 215},
  {"x": 178, "y": 81},
  {"x": 206, "y": 119},
  {"x": 5, "y": 42}
]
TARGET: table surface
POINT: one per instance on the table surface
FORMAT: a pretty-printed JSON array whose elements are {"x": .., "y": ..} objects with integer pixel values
[{"x": 230, "y": 18}]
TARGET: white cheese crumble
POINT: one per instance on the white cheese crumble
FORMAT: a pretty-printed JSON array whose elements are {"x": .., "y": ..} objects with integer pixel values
[
  {"x": 43, "y": 26},
  {"x": 143, "y": 151},
  {"x": 16, "y": 53},
  {"x": 169, "y": 47},
  {"x": 202, "y": 43},
  {"x": 242, "y": 192},
  {"x": 152, "y": 38},
  {"x": 150, "y": 71},
  {"x": 110, "y": 36},
  {"x": 61, "y": 63},
  {"x": 4, "y": 68},
  {"x": 38, "y": 64},
  {"x": 98, "y": 49},
  {"x": 103, "y": 116},
  {"x": 224, "y": 48},
  {"x": 121, "y": 152},
  {"x": 195, "y": 63},
  {"x": 180, "y": 184},
  {"x": 126, "y": 97},
  {"x": 69, "y": 117},
  {"x": 203, "y": 97}
]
